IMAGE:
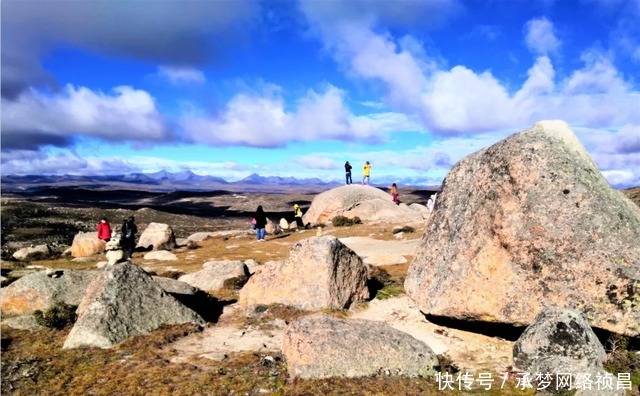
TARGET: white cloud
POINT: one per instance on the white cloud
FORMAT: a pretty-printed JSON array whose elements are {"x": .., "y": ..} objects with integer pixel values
[
  {"x": 263, "y": 121},
  {"x": 35, "y": 119},
  {"x": 63, "y": 163},
  {"x": 540, "y": 36},
  {"x": 460, "y": 100},
  {"x": 181, "y": 75}
]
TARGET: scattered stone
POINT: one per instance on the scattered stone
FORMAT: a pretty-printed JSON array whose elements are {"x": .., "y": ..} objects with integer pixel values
[
  {"x": 39, "y": 252},
  {"x": 38, "y": 291},
  {"x": 215, "y": 275},
  {"x": 173, "y": 286},
  {"x": 560, "y": 341},
  {"x": 320, "y": 273},
  {"x": 161, "y": 255},
  {"x": 157, "y": 235},
  {"x": 271, "y": 227},
  {"x": 87, "y": 244},
  {"x": 323, "y": 346},
  {"x": 557, "y": 332},
  {"x": 284, "y": 224},
  {"x": 101, "y": 264},
  {"x": 252, "y": 265},
  {"x": 526, "y": 223},
  {"x": 124, "y": 301},
  {"x": 115, "y": 256}
]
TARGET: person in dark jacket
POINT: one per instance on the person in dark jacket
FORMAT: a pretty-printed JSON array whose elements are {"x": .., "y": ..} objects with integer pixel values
[
  {"x": 128, "y": 239},
  {"x": 261, "y": 223},
  {"x": 347, "y": 169}
]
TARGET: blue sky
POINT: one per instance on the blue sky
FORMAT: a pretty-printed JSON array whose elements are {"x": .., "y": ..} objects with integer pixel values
[{"x": 296, "y": 88}]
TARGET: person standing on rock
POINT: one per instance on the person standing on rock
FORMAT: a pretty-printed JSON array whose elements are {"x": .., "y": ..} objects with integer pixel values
[
  {"x": 261, "y": 223},
  {"x": 347, "y": 169},
  {"x": 394, "y": 193},
  {"x": 128, "y": 239},
  {"x": 367, "y": 173},
  {"x": 104, "y": 230},
  {"x": 297, "y": 212}
]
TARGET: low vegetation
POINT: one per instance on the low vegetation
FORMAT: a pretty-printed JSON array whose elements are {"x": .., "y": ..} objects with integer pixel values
[
  {"x": 405, "y": 229},
  {"x": 342, "y": 221},
  {"x": 621, "y": 359},
  {"x": 59, "y": 316}
]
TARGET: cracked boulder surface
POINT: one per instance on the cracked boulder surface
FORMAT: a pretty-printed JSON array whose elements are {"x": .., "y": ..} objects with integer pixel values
[{"x": 527, "y": 223}]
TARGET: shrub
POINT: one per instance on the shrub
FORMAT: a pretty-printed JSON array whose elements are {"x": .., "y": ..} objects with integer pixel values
[
  {"x": 407, "y": 229},
  {"x": 59, "y": 316},
  {"x": 342, "y": 221}
]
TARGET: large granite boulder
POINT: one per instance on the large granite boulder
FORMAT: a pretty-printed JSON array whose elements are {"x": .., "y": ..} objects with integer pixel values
[
  {"x": 157, "y": 236},
  {"x": 215, "y": 275},
  {"x": 42, "y": 290},
  {"x": 122, "y": 302},
  {"x": 39, "y": 252},
  {"x": 87, "y": 244},
  {"x": 526, "y": 223},
  {"x": 366, "y": 202},
  {"x": 321, "y": 346},
  {"x": 321, "y": 272}
]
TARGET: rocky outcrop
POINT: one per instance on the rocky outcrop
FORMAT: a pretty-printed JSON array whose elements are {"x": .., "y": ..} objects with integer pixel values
[
  {"x": 559, "y": 341},
  {"x": 366, "y": 202},
  {"x": 158, "y": 236},
  {"x": 87, "y": 244},
  {"x": 322, "y": 346},
  {"x": 124, "y": 301},
  {"x": 321, "y": 273},
  {"x": 41, "y": 290},
  {"x": 215, "y": 275},
  {"x": 40, "y": 252},
  {"x": 526, "y": 223}
]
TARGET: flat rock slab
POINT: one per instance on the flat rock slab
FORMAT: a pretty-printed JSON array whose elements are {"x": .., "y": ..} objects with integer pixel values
[
  {"x": 378, "y": 252},
  {"x": 218, "y": 342},
  {"x": 470, "y": 351}
]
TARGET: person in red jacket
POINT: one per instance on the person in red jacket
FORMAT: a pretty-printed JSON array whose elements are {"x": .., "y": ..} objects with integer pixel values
[{"x": 104, "y": 230}]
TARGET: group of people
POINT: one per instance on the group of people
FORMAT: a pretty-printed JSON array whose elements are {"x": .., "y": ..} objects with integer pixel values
[
  {"x": 259, "y": 221},
  {"x": 127, "y": 237},
  {"x": 366, "y": 171},
  {"x": 366, "y": 178}
]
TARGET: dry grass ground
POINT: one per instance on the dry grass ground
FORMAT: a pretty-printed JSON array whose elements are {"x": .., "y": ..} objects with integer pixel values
[{"x": 34, "y": 363}]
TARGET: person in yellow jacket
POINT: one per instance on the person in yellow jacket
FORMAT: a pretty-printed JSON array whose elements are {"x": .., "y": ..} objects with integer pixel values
[
  {"x": 297, "y": 212},
  {"x": 367, "y": 173}
]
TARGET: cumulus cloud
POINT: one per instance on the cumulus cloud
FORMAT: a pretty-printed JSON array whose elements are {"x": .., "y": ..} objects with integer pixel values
[
  {"x": 39, "y": 163},
  {"x": 459, "y": 100},
  {"x": 540, "y": 36},
  {"x": 181, "y": 75},
  {"x": 35, "y": 119},
  {"x": 176, "y": 33},
  {"x": 262, "y": 120}
]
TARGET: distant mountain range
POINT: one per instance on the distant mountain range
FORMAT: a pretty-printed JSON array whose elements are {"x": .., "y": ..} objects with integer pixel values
[
  {"x": 162, "y": 181},
  {"x": 185, "y": 180}
]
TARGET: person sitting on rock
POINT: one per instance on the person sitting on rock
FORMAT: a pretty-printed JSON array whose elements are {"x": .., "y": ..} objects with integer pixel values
[
  {"x": 298, "y": 215},
  {"x": 104, "y": 230},
  {"x": 128, "y": 238}
]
